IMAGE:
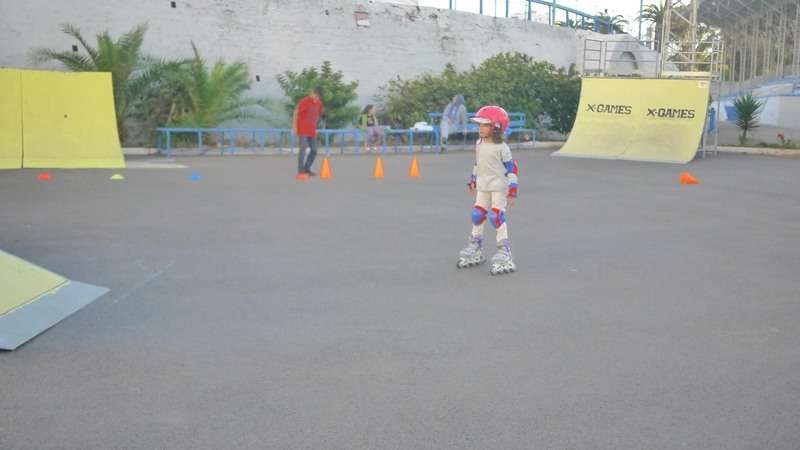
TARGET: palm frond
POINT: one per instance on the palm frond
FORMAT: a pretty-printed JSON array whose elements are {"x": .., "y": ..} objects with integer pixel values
[
  {"x": 72, "y": 61},
  {"x": 71, "y": 30},
  {"x": 130, "y": 44}
]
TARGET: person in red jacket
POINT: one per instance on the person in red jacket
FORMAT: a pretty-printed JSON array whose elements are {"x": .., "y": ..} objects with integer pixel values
[{"x": 304, "y": 123}]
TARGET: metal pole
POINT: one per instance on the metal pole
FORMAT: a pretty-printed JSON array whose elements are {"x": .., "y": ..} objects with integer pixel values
[
  {"x": 506, "y": 9},
  {"x": 719, "y": 101},
  {"x": 782, "y": 48},
  {"x": 796, "y": 36},
  {"x": 451, "y": 4},
  {"x": 693, "y": 36},
  {"x": 480, "y": 10},
  {"x": 796, "y": 46},
  {"x": 641, "y": 7},
  {"x": 768, "y": 56},
  {"x": 665, "y": 32}
]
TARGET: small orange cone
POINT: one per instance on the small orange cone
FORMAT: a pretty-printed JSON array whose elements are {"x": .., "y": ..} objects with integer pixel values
[
  {"x": 301, "y": 176},
  {"x": 44, "y": 176},
  {"x": 378, "y": 168},
  {"x": 413, "y": 172},
  {"x": 687, "y": 178},
  {"x": 326, "y": 173}
]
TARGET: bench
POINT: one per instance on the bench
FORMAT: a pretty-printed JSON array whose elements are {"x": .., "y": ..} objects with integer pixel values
[{"x": 516, "y": 124}]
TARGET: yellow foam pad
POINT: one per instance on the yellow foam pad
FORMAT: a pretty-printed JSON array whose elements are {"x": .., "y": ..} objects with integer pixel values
[
  {"x": 69, "y": 121},
  {"x": 23, "y": 282}
]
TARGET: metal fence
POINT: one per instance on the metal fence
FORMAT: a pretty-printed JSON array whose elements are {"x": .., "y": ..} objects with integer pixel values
[
  {"x": 283, "y": 140},
  {"x": 550, "y": 12}
]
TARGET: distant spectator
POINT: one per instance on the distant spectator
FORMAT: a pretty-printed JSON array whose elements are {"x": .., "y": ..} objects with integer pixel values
[
  {"x": 304, "y": 123},
  {"x": 454, "y": 119},
  {"x": 373, "y": 130}
]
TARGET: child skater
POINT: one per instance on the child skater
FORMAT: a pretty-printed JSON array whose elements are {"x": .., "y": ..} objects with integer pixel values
[{"x": 494, "y": 177}]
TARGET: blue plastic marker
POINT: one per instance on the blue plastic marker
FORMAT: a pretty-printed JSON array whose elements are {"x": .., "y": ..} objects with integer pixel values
[{"x": 195, "y": 177}]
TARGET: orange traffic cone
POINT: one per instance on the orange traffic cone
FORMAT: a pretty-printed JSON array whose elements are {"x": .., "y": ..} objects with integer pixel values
[
  {"x": 413, "y": 172},
  {"x": 326, "y": 173},
  {"x": 687, "y": 178},
  {"x": 44, "y": 176},
  {"x": 378, "y": 168}
]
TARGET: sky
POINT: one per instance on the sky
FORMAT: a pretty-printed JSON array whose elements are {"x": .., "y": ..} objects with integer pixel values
[{"x": 627, "y": 8}]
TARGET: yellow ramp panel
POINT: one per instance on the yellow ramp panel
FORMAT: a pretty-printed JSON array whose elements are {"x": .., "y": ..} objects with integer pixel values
[
  {"x": 69, "y": 121},
  {"x": 673, "y": 121},
  {"x": 598, "y": 124},
  {"x": 657, "y": 120},
  {"x": 23, "y": 282},
  {"x": 10, "y": 119}
]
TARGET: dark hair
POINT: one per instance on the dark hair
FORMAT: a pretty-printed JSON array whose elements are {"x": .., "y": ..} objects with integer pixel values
[
  {"x": 366, "y": 109},
  {"x": 318, "y": 90}
]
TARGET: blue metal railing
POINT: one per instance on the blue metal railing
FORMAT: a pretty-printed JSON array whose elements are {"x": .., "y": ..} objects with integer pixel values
[
  {"x": 596, "y": 22},
  {"x": 279, "y": 137},
  {"x": 261, "y": 138}
]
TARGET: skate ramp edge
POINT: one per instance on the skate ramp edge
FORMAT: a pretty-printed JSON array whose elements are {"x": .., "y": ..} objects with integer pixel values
[
  {"x": 658, "y": 120},
  {"x": 33, "y": 299},
  {"x": 10, "y": 119}
]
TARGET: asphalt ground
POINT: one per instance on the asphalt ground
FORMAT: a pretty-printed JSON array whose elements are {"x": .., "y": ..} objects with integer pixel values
[{"x": 250, "y": 310}]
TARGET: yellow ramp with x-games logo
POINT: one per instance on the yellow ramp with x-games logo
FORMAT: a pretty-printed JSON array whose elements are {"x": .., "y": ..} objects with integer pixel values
[{"x": 657, "y": 120}]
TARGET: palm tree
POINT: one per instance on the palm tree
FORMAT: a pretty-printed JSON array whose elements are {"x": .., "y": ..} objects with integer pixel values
[
  {"x": 577, "y": 24},
  {"x": 654, "y": 13},
  {"x": 209, "y": 97},
  {"x": 122, "y": 58},
  {"x": 159, "y": 90},
  {"x": 610, "y": 24},
  {"x": 747, "y": 111},
  {"x": 618, "y": 23}
]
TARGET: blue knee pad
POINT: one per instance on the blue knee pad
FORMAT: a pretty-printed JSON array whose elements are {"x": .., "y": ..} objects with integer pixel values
[
  {"x": 478, "y": 215},
  {"x": 497, "y": 217}
]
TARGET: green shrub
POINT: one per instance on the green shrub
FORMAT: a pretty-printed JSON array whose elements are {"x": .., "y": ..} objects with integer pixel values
[
  {"x": 339, "y": 96},
  {"x": 211, "y": 94},
  {"x": 515, "y": 81},
  {"x": 747, "y": 111}
]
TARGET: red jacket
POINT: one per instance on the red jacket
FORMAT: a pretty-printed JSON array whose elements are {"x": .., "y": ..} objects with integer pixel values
[{"x": 309, "y": 111}]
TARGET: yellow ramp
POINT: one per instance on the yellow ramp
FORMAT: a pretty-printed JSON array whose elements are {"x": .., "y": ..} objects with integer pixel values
[
  {"x": 69, "y": 121},
  {"x": 10, "y": 119},
  {"x": 33, "y": 299},
  {"x": 657, "y": 120},
  {"x": 23, "y": 282}
]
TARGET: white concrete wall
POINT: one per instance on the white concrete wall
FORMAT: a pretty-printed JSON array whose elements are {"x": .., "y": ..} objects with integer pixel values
[
  {"x": 399, "y": 2},
  {"x": 272, "y": 36}
]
